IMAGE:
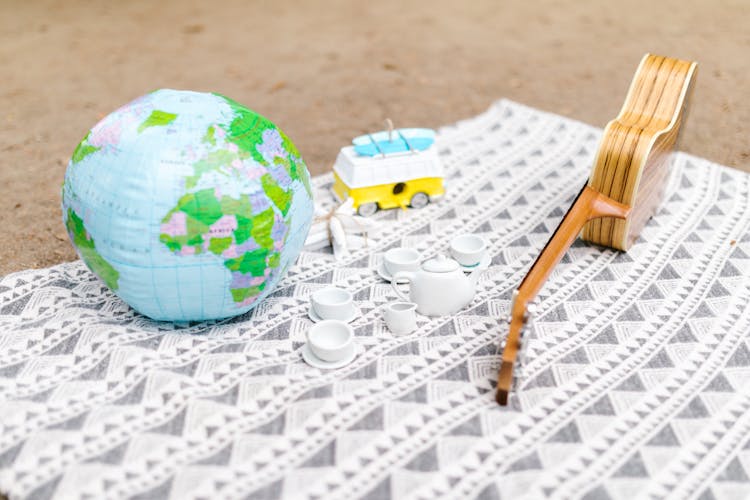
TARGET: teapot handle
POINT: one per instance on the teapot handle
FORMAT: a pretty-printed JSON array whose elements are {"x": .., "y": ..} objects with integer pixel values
[{"x": 401, "y": 275}]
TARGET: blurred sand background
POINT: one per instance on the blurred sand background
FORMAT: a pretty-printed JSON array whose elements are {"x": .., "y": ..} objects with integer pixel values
[{"x": 326, "y": 71}]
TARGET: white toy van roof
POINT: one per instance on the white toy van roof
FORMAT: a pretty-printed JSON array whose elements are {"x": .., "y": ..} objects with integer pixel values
[{"x": 362, "y": 171}]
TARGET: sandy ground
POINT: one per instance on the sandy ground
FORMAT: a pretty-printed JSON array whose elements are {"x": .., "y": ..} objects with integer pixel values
[{"x": 326, "y": 71}]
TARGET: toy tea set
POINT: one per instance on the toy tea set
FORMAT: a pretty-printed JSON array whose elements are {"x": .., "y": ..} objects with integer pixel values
[
  {"x": 439, "y": 286},
  {"x": 189, "y": 206}
]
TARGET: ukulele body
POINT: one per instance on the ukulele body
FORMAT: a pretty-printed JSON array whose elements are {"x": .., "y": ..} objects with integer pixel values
[{"x": 632, "y": 162}]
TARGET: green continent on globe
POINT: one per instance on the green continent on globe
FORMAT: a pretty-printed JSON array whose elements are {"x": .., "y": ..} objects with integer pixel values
[
  {"x": 246, "y": 231},
  {"x": 83, "y": 149},
  {"x": 85, "y": 244},
  {"x": 157, "y": 119},
  {"x": 247, "y": 131},
  {"x": 228, "y": 228}
]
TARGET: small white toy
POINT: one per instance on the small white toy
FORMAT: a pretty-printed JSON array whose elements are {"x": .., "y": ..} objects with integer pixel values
[
  {"x": 469, "y": 250},
  {"x": 439, "y": 288},
  {"x": 401, "y": 259},
  {"x": 400, "y": 317},
  {"x": 333, "y": 303},
  {"x": 330, "y": 344},
  {"x": 340, "y": 228}
]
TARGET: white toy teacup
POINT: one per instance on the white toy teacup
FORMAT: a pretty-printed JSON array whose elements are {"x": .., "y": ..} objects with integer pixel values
[
  {"x": 333, "y": 303},
  {"x": 468, "y": 249},
  {"x": 331, "y": 340},
  {"x": 401, "y": 259}
]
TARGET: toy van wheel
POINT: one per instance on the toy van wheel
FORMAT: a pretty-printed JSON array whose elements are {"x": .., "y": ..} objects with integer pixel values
[
  {"x": 419, "y": 200},
  {"x": 367, "y": 209}
]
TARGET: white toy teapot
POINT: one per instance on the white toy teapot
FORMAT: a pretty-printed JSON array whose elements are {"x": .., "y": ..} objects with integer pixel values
[{"x": 439, "y": 288}]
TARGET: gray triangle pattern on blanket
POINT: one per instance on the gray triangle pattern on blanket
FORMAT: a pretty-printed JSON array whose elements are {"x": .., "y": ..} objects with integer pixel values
[{"x": 636, "y": 382}]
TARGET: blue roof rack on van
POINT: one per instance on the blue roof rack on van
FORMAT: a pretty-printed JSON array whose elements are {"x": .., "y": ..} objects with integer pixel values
[{"x": 394, "y": 141}]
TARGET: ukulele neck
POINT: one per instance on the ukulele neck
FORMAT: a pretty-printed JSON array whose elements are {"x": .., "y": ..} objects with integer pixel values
[{"x": 588, "y": 205}]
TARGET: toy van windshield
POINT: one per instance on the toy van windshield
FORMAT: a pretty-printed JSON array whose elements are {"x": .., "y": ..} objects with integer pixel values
[{"x": 396, "y": 141}]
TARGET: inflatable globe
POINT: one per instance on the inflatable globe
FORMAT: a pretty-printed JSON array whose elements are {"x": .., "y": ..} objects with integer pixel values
[{"x": 188, "y": 205}]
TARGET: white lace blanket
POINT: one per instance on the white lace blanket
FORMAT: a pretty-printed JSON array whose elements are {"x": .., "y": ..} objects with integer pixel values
[{"x": 637, "y": 384}]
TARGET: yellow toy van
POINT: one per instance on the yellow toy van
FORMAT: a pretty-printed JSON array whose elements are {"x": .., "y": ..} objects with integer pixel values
[{"x": 380, "y": 179}]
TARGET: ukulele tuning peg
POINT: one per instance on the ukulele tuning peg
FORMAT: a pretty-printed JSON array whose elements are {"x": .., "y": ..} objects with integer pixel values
[
  {"x": 532, "y": 309},
  {"x": 526, "y": 334}
]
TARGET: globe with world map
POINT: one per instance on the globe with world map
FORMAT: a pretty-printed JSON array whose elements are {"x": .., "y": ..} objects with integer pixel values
[{"x": 188, "y": 205}]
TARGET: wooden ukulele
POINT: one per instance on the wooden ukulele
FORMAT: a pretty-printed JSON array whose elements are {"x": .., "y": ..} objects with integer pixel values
[{"x": 626, "y": 185}]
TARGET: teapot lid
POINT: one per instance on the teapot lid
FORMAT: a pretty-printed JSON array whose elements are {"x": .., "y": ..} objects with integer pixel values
[{"x": 440, "y": 264}]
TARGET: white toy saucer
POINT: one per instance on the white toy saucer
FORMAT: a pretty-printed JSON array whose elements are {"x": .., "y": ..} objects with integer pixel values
[
  {"x": 383, "y": 273},
  {"x": 314, "y": 361},
  {"x": 316, "y": 318},
  {"x": 483, "y": 264}
]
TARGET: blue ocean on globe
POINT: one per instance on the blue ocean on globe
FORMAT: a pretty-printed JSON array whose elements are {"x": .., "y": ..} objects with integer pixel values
[{"x": 188, "y": 205}]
